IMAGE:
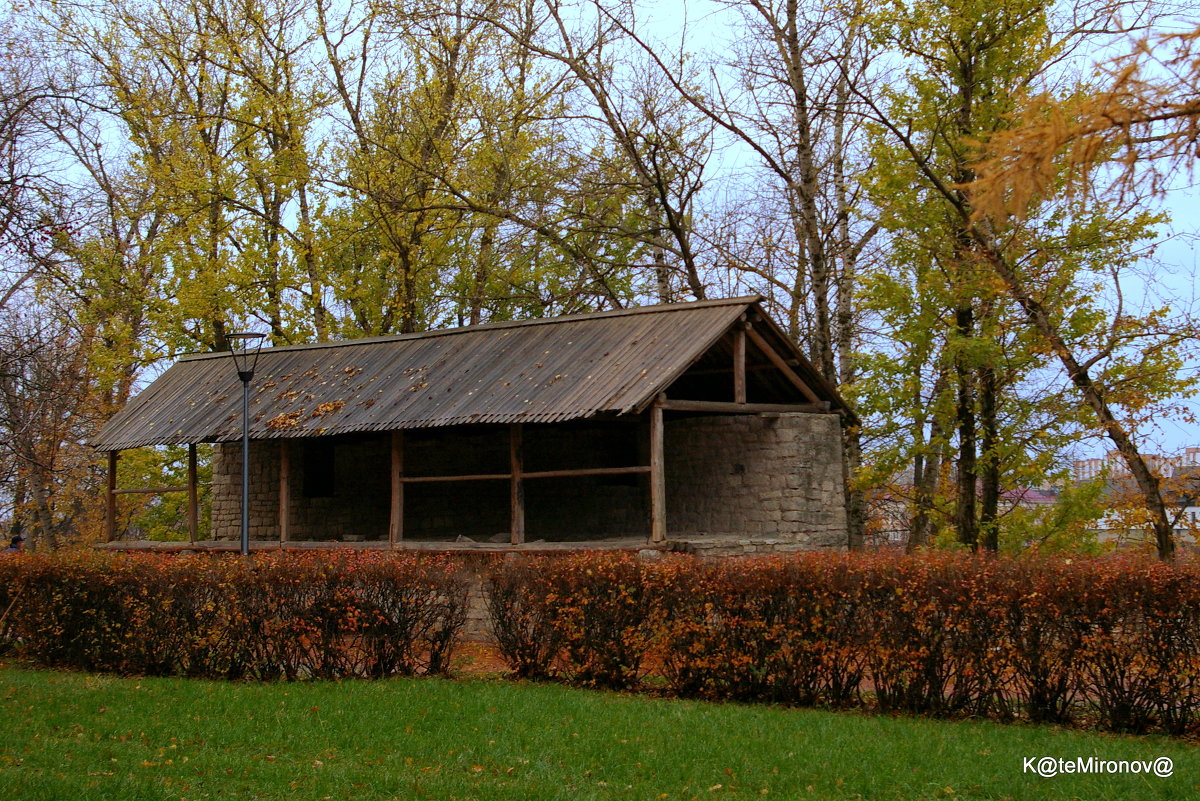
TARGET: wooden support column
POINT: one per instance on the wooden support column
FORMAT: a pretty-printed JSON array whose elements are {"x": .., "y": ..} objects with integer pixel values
[
  {"x": 110, "y": 500},
  {"x": 658, "y": 486},
  {"x": 285, "y": 491},
  {"x": 396, "y": 521},
  {"x": 516, "y": 457},
  {"x": 739, "y": 364},
  {"x": 193, "y": 501}
]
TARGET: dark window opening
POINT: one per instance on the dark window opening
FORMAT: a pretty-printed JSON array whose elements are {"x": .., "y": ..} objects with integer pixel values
[{"x": 319, "y": 475}]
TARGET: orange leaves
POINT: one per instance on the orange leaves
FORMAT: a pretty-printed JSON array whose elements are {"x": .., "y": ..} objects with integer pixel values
[
  {"x": 281, "y": 422},
  {"x": 945, "y": 634},
  {"x": 279, "y": 616},
  {"x": 325, "y": 409}
]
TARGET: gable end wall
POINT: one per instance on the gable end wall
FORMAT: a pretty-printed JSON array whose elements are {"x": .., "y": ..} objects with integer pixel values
[{"x": 748, "y": 483}]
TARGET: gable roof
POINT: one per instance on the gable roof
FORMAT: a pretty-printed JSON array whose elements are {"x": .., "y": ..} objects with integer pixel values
[{"x": 536, "y": 371}]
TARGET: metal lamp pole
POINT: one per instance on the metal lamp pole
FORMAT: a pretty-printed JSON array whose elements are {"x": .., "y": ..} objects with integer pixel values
[{"x": 245, "y": 346}]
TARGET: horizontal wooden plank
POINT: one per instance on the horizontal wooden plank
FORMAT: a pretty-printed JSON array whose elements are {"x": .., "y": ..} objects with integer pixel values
[
  {"x": 477, "y": 477},
  {"x": 149, "y": 490},
  {"x": 742, "y": 408},
  {"x": 583, "y": 471},
  {"x": 588, "y": 471},
  {"x": 232, "y": 546}
]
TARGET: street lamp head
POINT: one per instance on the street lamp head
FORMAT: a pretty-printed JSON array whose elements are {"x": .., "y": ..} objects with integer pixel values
[{"x": 245, "y": 346}]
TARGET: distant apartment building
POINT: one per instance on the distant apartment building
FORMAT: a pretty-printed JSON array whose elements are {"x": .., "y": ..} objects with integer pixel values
[
  {"x": 1180, "y": 475},
  {"x": 1114, "y": 464}
]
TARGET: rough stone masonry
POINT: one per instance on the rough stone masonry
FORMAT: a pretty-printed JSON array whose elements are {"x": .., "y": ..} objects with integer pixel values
[{"x": 735, "y": 484}]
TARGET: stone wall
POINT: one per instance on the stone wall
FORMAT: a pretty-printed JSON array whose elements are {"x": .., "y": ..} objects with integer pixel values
[
  {"x": 735, "y": 484},
  {"x": 227, "y": 490},
  {"x": 358, "y": 508},
  {"x": 746, "y": 483}
]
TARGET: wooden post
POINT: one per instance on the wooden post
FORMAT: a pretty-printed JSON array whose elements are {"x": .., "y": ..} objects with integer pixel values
[
  {"x": 110, "y": 501},
  {"x": 193, "y": 500},
  {"x": 396, "y": 522},
  {"x": 658, "y": 487},
  {"x": 516, "y": 486},
  {"x": 739, "y": 364},
  {"x": 285, "y": 490}
]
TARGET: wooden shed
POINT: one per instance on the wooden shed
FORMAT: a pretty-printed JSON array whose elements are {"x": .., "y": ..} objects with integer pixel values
[{"x": 691, "y": 426}]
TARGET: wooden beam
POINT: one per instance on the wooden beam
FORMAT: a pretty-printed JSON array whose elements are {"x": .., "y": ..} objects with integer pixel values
[
  {"x": 396, "y": 520},
  {"x": 589, "y": 471},
  {"x": 516, "y": 488},
  {"x": 110, "y": 500},
  {"x": 148, "y": 490},
  {"x": 285, "y": 491},
  {"x": 739, "y": 364},
  {"x": 658, "y": 487},
  {"x": 582, "y": 471},
  {"x": 750, "y": 368},
  {"x": 193, "y": 511},
  {"x": 782, "y": 364},
  {"x": 742, "y": 408},
  {"x": 478, "y": 477}
]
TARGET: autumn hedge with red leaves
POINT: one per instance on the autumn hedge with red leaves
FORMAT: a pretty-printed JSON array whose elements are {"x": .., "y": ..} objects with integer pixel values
[
  {"x": 1111, "y": 642},
  {"x": 281, "y": 615}
]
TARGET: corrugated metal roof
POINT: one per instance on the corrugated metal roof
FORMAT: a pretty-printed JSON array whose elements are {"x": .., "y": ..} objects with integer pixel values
[{"x": 538, "y": 371}]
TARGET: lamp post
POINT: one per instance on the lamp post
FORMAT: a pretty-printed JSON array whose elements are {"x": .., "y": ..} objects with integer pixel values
[{"x": 244, "y": 346}]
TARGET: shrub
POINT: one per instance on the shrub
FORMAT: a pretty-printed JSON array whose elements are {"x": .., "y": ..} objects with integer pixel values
[
  {"x": 10, "y": 569},
  {"x": 276, "y": 616},
  {"x": 939, "y": 634},
  {"x": 601, "y": 615},
  {"x": 778, "y": 629},
  {"x": 935, "y": 643},
  {"x": 1043, "y": 631},
  {"x": 522, "y": 620},
  {"x": 1141, "y": 656},
  {"x": 586, "y": 615},
  {"x": 1117, "y": 640}
]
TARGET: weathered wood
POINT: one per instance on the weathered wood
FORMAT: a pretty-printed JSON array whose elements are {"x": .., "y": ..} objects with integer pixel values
[
  {"x": 110, "y": 500},
  {"x": 435, "y": 546},
  {"x": 285, "y": 490},
  {"x": 396, "y": 520},
  {"x": 479, "y": 477},
  {"x": 516, "y": 458},
  {"x": 782, "y": 364},
  {"x": 147, "y": 490},
  {"x": 193, "y": 511},
  {"x": 582, "y": 471},
  {"x": 739, "y": 364},
  {"x": 750, "y": 368},
  {"x": 658, "y": 486},
  {"x": 589, "y": 471},
  {"x": 743, "y": 408}
]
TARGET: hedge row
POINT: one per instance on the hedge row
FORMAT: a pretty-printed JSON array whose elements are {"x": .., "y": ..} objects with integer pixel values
[
  {"x": 1113, "y": 641},
  {"x": 278, "y": 616}
]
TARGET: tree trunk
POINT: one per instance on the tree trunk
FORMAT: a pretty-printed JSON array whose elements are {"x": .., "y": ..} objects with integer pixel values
[
  {"x": 1093, "y": 395},
  {"x": 925, "y": 491},
  {"x": 965, "y": 522},
  {"x": 856, "y": 503},
  {"x": 989, "y": 496}
]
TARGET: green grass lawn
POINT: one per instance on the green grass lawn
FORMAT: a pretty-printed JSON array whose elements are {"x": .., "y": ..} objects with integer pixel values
[{"x": 73, "y": 737}]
